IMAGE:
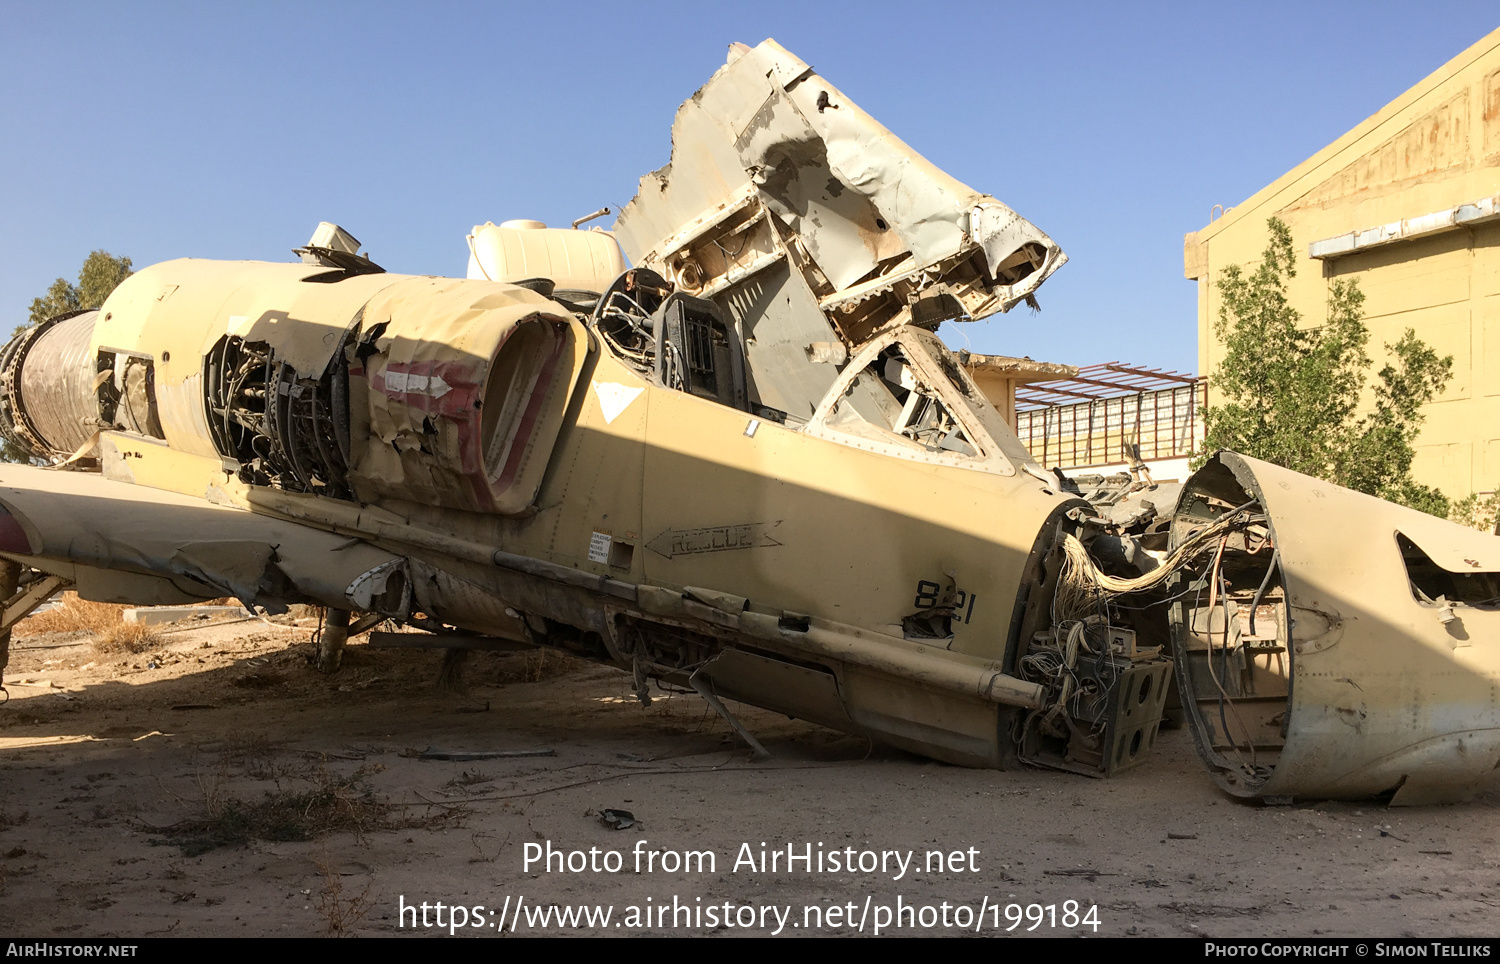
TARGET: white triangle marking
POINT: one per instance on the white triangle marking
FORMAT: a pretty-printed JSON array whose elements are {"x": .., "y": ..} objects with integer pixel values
[{"x": 614, "y": 398}]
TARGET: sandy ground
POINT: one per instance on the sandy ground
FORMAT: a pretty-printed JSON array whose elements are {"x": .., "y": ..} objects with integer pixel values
[{"x": 128, "y": 786}]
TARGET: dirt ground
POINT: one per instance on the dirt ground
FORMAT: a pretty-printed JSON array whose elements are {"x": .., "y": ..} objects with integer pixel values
[{"x": 218, "y": 785}]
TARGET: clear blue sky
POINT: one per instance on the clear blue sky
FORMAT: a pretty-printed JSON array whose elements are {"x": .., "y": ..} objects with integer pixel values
[{"x": 229, "y": 130}]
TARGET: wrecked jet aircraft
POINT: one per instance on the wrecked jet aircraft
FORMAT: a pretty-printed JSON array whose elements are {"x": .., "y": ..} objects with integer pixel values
[{"x": 746, "y": 465}]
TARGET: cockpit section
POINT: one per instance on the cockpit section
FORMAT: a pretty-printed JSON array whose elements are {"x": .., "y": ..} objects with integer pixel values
[
  {"x": 903, "y": 395},
  {"x": 673, "y": 339},
  {"x": 887, "y": 402}
]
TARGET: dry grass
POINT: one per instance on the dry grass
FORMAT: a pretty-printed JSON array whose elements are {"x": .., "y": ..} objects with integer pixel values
[
  {"x": 125, "y": 638},
  {"x": 72, "y": 615},
  {"x": 541, "y": 664},
  {"x": 327, "y": 804},
  {"x": 340, "y": 913},
  {"x": 105, "y": 621},
  {"x": 547, "y": 663}
]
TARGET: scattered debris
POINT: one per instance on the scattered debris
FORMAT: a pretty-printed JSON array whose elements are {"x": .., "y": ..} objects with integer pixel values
[
  {"x": 464, "y": 756},
  {"x": 617, "y": 819},
  {"x": 259, "y": 679},
  {"x": 468, "y": 778},
  {"x": 1080, "y": 873}
]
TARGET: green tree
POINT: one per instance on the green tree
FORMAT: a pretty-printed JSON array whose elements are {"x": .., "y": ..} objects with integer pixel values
[
  {"x": 100, "y": 274},
  {"x": 1292, "y": 394},
  {"x": 1476, "y": 511}
]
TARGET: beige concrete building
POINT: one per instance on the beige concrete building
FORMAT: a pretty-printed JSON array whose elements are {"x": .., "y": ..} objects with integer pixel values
[
  {"x": 1000, "y": 376},
  {"x": 1407, "y": 203}
]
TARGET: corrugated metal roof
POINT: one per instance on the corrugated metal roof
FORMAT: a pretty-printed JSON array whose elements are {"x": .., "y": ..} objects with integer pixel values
[{"x": 1106, "y": 380}]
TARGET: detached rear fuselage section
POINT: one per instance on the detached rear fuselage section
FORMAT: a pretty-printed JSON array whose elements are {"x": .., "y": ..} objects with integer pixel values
[{"x": 1334, "y": 644}]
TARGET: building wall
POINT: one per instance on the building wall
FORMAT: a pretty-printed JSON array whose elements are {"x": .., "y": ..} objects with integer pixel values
[{"x": 1433, "y": 148}]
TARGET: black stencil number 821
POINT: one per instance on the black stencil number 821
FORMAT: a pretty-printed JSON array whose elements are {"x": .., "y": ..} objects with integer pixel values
[{"x": 929, "y": 595}]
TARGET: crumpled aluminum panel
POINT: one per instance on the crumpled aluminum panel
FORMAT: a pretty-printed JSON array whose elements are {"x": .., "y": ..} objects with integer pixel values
[
  {"x": 866, "y": 208},
  {"x": 461, "y": 393}
]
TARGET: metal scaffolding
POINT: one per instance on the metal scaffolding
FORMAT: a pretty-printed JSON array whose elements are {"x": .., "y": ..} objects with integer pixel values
[{"x": 1090, "y": 418}]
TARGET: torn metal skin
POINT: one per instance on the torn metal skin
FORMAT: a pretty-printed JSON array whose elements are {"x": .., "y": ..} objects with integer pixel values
[
  {"x": 745, "y": 466},
  {"x": 780, "y": 187},
  {"x": 1370, "y": 667}
]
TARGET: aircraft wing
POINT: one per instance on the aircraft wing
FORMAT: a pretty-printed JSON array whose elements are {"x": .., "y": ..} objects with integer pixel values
[{"x": 126, "y": 543}]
